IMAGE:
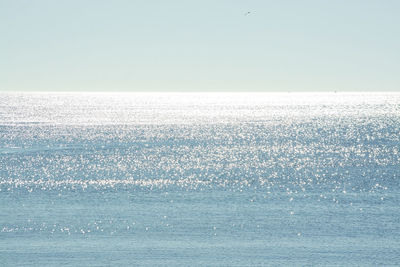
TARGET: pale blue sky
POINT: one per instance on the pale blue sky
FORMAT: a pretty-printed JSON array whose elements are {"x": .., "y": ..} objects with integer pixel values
[{"x": 206, "y": 45}]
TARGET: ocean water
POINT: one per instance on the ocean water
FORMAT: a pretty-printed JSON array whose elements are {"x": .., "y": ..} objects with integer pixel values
[{"x": 199, "y": 179}]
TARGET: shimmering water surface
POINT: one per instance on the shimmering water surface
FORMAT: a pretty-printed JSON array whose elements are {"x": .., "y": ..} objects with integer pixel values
[{"x": 213, "y": 179}]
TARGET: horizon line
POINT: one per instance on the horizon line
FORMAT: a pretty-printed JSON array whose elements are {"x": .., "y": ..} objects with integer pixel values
[
  {"x": 195, "y": 92},
  {"x": 201, "y": 92}
]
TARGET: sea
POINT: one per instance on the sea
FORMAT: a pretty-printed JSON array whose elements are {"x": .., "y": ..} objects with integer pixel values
[{"x": 200, "y": 179}]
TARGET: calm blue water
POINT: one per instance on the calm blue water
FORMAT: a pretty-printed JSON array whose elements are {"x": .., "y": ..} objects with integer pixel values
[{"x": 199, "y": 179}]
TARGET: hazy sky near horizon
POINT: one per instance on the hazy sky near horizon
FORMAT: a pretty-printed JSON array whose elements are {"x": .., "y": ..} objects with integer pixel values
[{"x": 126, "y": 45}]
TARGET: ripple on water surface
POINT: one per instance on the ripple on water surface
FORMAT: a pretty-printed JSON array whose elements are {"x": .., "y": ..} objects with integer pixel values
[{"x": 169, "y": 174}]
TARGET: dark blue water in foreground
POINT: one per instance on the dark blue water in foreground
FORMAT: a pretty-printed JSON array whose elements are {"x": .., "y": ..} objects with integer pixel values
[{"x": 199, "y": 179}]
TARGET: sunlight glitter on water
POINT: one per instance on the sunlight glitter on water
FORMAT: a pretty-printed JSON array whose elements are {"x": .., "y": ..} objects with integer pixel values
[
  {"x": 183, "y": 108},
  {"x": 215, "y": 139},
  {"x": 170, "y": 174}
]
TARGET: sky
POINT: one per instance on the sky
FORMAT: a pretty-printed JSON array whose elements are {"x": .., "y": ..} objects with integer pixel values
[{"x": 207, "y": 45}]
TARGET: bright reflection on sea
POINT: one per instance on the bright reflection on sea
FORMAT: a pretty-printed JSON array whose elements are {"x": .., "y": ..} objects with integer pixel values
[
  {"x": 161, "y": 167},
  {"x": 291, "y": 141},
  {"x": 187, "y": 108}
]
